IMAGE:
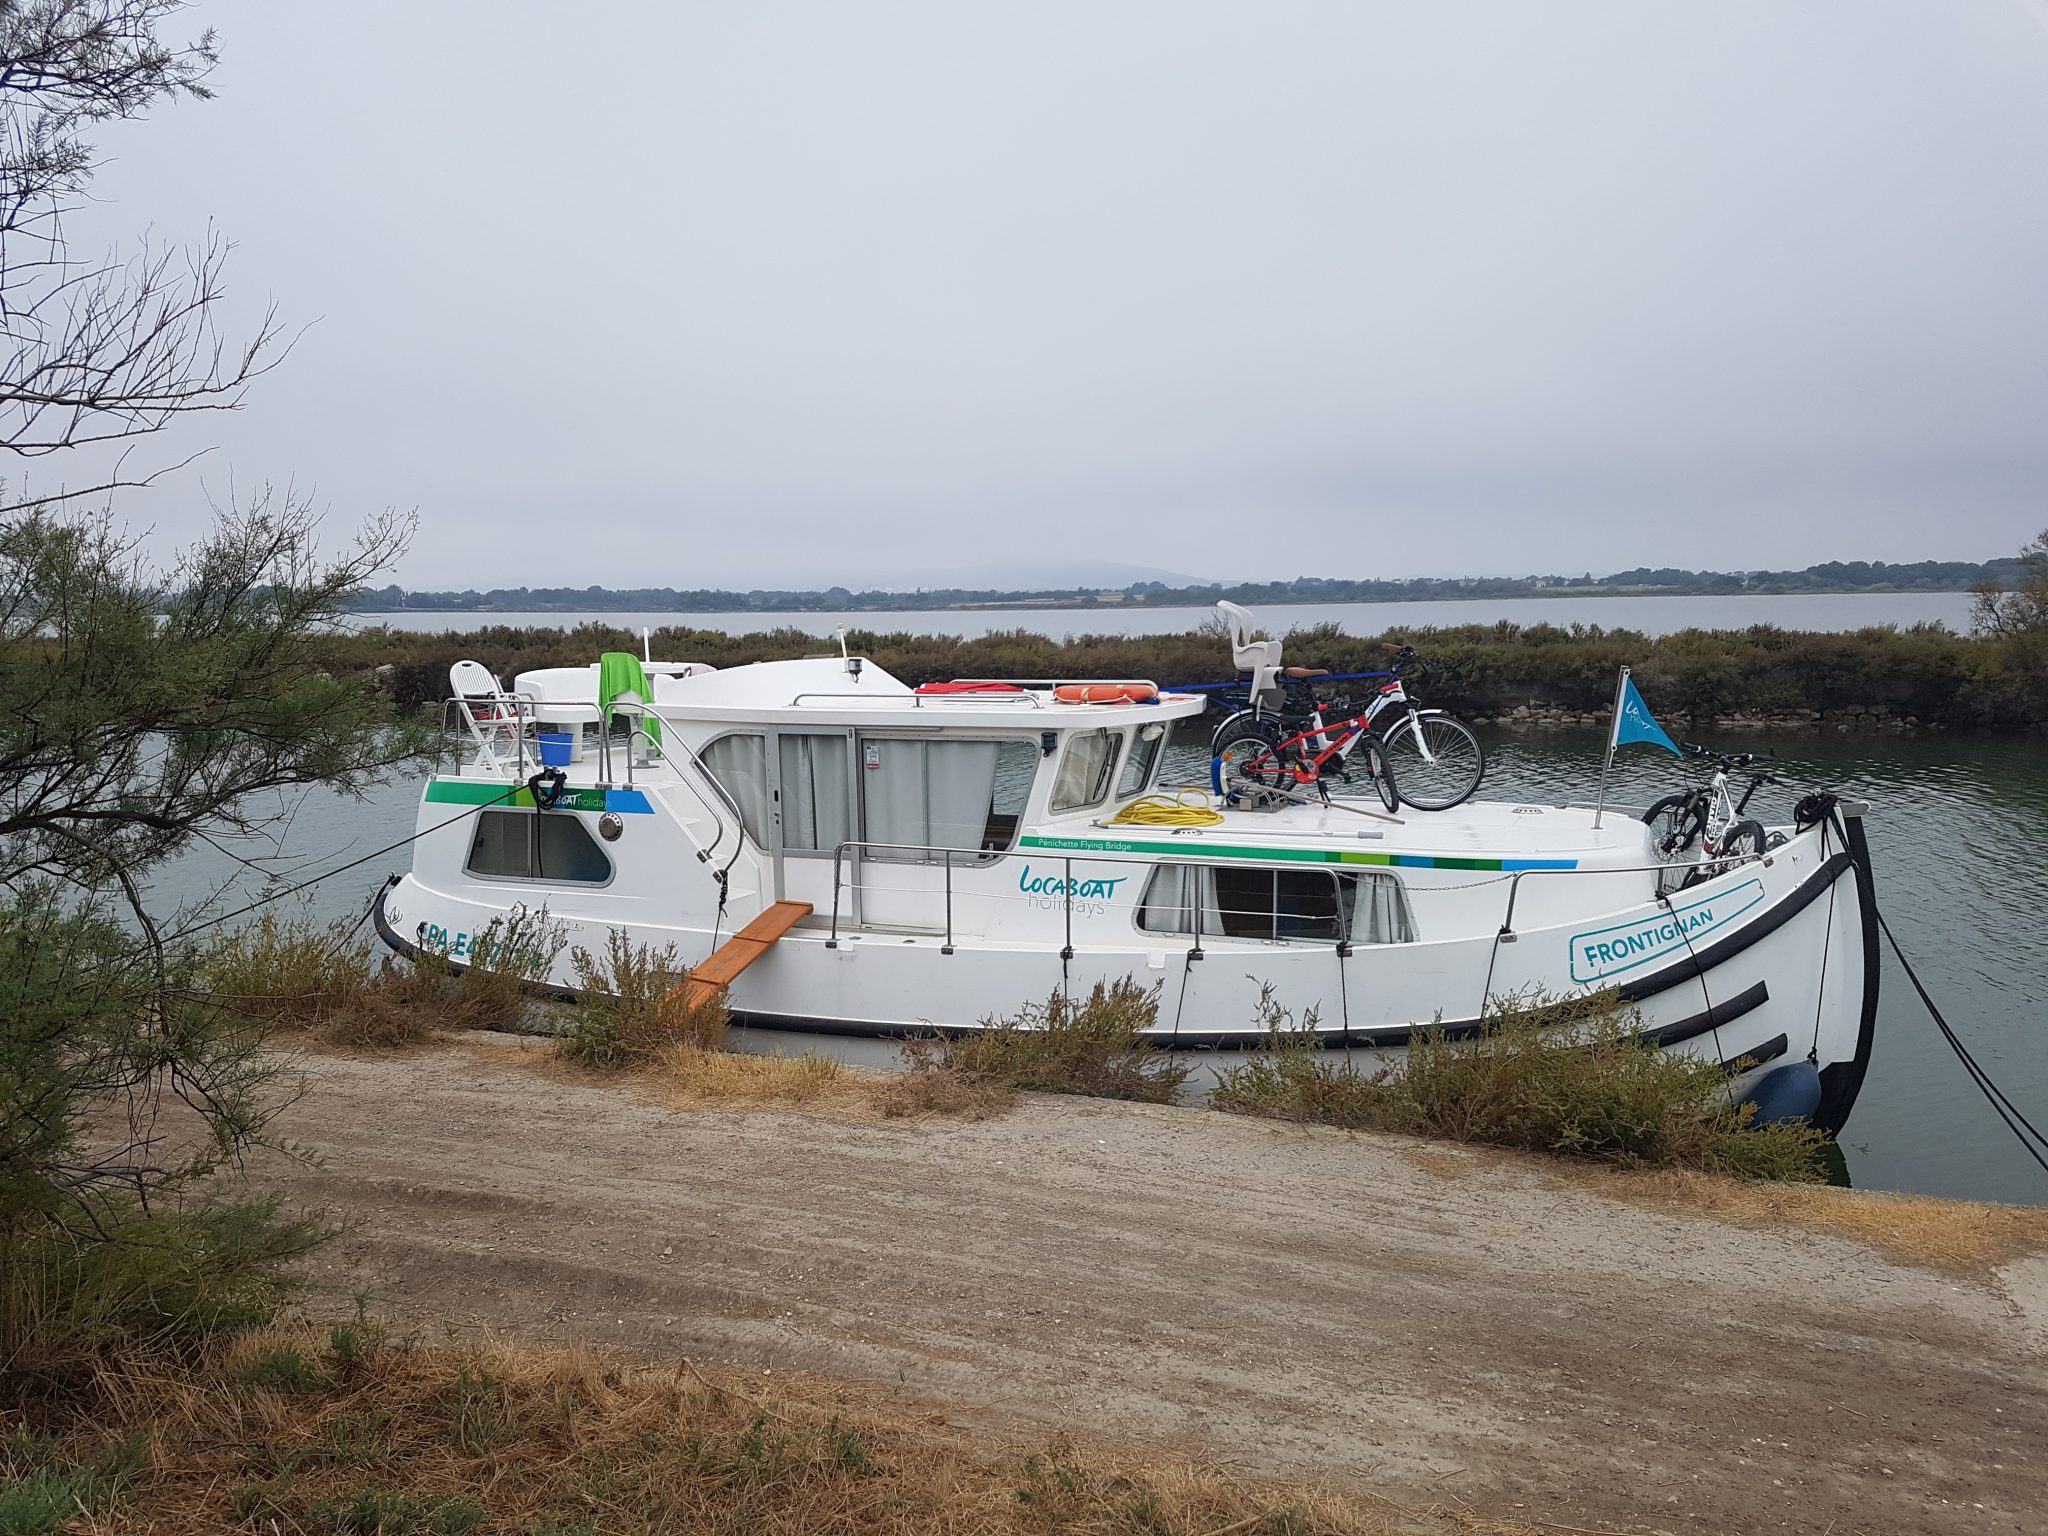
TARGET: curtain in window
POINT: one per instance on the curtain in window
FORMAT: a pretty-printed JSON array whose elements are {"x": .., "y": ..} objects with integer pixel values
[
  {"x": 1379, "y": 912},
  {"x": 740, "y": 763},
  {"x": 1174, "y": 894},
  {"x": 816, "y": 808},
  {"x": 1138, "y": 765},
  {"x": 1084, "y": 769},
  {"x": 927, "y": 794},
  {"x": 960, "y": 783}
]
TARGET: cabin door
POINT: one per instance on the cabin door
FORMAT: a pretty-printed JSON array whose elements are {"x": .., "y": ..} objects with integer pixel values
[{"x": 814, "y": 814}]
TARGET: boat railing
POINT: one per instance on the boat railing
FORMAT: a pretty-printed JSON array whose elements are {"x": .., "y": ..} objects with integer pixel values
[
  {"x": 482, "y": 728},
  {"x": 950, "y": 859},
  {"x": 526, "y": 712},
  {"x": 669, "y": 751},
  {"x": 1339, "y": 915},
  {"x": 1724, "y": 865}
]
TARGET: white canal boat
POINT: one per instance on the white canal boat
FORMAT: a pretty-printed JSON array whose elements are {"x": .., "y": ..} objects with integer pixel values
[{"x": 910, "y": 861}]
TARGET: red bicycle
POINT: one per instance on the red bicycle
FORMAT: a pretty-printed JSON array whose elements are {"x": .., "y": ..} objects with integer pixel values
[{"x": 1256, "y": 767}]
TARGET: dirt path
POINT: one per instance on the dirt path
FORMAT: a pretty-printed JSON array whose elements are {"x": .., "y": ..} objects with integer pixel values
[{"x": 1424, "y": 1321}]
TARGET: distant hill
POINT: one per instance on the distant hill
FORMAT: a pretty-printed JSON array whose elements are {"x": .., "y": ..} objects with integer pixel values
[{"x": 1834, "y": 576}]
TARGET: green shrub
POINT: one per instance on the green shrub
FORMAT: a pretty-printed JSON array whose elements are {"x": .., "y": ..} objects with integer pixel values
[
  {"x": 287, "y": 970},
  {"x": 294, "y": 973},
  {"x": 633, "y": 1000},
  {"x": 1092, "y": 1047},
  {"x": 1484, "y": 669},
  {"x": 69, "y": 1298},
  {"x": 1575, "y": 1077}
]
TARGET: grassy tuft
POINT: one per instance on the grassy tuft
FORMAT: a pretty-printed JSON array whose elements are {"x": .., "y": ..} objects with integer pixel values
[
  {"x": 163, "y": 1279},
  {"x": 633, "y": 1001},
  {"x": 43, "y": 1490},
  {"x": 523, "y": 1440},
  {"x": 1091, "y": 1047},
  {"x": 1574, "y": 1078},
  {"x": 289, "y": 972}
]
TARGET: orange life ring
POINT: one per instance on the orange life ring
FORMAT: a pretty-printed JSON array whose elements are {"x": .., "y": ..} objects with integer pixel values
[{"x": 1105, "y": 693}]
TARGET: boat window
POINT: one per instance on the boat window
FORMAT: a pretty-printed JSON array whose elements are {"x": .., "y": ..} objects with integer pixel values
[
  {"x": 817, "y": 802},
  {"x": 1146, "y": 748},
  {"x": 944, "y": 794},
  {"x": 536, "y": 845},
  {"x": 1246, "y": 902},
  {"x": 1086, "y": 769},
  {"x": 1016, "y": 766},
  {"x": 740, "y": 763}
]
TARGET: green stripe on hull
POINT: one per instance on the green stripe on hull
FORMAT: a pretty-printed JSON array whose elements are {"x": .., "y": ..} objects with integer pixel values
[
  {"x": 469, "y": 792},
  {"x": 1194, "y": 849}
]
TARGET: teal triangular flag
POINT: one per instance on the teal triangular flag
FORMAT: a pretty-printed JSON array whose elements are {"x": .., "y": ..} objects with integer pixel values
[{"x": 1634, "y": 722}]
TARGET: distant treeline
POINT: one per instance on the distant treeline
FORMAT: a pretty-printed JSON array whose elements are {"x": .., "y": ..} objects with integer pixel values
[
  {"x": 1834, "y": 576},
  {"x": 1925, "y": 673}
]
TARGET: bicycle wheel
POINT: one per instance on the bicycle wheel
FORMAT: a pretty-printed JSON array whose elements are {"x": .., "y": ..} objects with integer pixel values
[
  {"x": 1381, "y": 768},
  {"x": 1234, "y": 723},
  {"x": 1436, "y": 758},
  {"x": 1246, "y": 751},
  {"x": 1675, "y": 822},
  {"x": 1743, "y": 840}
]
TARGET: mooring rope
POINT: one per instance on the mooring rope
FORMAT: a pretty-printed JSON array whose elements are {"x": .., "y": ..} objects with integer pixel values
[
  {"x": 2009, "y": 1112},
  {"x": 293, "y": 890}
]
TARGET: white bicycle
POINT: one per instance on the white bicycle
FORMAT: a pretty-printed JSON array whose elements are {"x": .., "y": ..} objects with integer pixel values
[{"x": 1711, "y": 817}]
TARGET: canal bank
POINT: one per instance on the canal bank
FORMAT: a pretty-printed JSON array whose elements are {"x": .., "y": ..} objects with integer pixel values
[{"x": 1413, "y": 1317}]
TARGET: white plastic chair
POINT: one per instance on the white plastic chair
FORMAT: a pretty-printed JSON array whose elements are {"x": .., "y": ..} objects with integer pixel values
[
  {"x": 1261, "y": 658},
  {"x": 493, "y": 716}
]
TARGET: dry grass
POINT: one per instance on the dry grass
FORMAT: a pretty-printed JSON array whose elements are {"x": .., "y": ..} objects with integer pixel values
[
  {"x": 288, "y": 972},
  {"x": 1958, "y": 1237},
  {"x": 692, "y": 1077},
  {"x": 315, "y": 1431}
]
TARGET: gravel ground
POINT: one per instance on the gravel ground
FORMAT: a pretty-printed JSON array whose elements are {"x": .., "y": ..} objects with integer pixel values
[{"x": 1421, "y": 1320}]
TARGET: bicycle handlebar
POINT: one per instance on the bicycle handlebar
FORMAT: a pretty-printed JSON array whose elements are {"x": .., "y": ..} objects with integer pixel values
[{"x": 1724, "y": 759}]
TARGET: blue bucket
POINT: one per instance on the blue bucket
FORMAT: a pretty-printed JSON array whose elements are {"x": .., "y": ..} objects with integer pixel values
[{"x": 556, "y": 749}]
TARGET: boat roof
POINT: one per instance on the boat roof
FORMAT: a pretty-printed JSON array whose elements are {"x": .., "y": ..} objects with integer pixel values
[
  {"x": 837, "y": 688},
  {"x": 1480, "y": 834}
]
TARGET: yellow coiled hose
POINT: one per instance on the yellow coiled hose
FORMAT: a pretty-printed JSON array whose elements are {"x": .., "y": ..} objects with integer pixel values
[{"x": 1174, "y": 810}]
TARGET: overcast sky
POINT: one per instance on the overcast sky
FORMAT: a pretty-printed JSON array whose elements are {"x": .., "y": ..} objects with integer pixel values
[{"x": 772, "y": 294}]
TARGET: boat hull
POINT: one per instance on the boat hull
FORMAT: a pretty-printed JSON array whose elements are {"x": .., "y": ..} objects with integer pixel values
[{"x": 1770, "y": 963}]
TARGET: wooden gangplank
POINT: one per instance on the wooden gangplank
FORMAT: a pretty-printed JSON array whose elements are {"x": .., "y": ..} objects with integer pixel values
[{"x": 724, "y": 964}]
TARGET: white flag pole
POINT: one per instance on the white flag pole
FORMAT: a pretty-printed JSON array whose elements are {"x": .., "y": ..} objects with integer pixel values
[{"x": 1613, "y": 740}]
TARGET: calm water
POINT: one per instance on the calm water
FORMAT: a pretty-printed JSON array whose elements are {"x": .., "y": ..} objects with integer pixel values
[
  {"x": 1650, "y": 615},
  {"x": 1957, "y": 827}
]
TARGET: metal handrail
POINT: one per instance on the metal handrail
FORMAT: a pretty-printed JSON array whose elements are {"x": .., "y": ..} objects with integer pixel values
[
  {"x": 919, "y": 700},
  {"x": 523, "y": 707},
  {"x": 1731, "y": 862},
  {"x": 1195, "y": 952},
  {"x": 668, "y": 749}
]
